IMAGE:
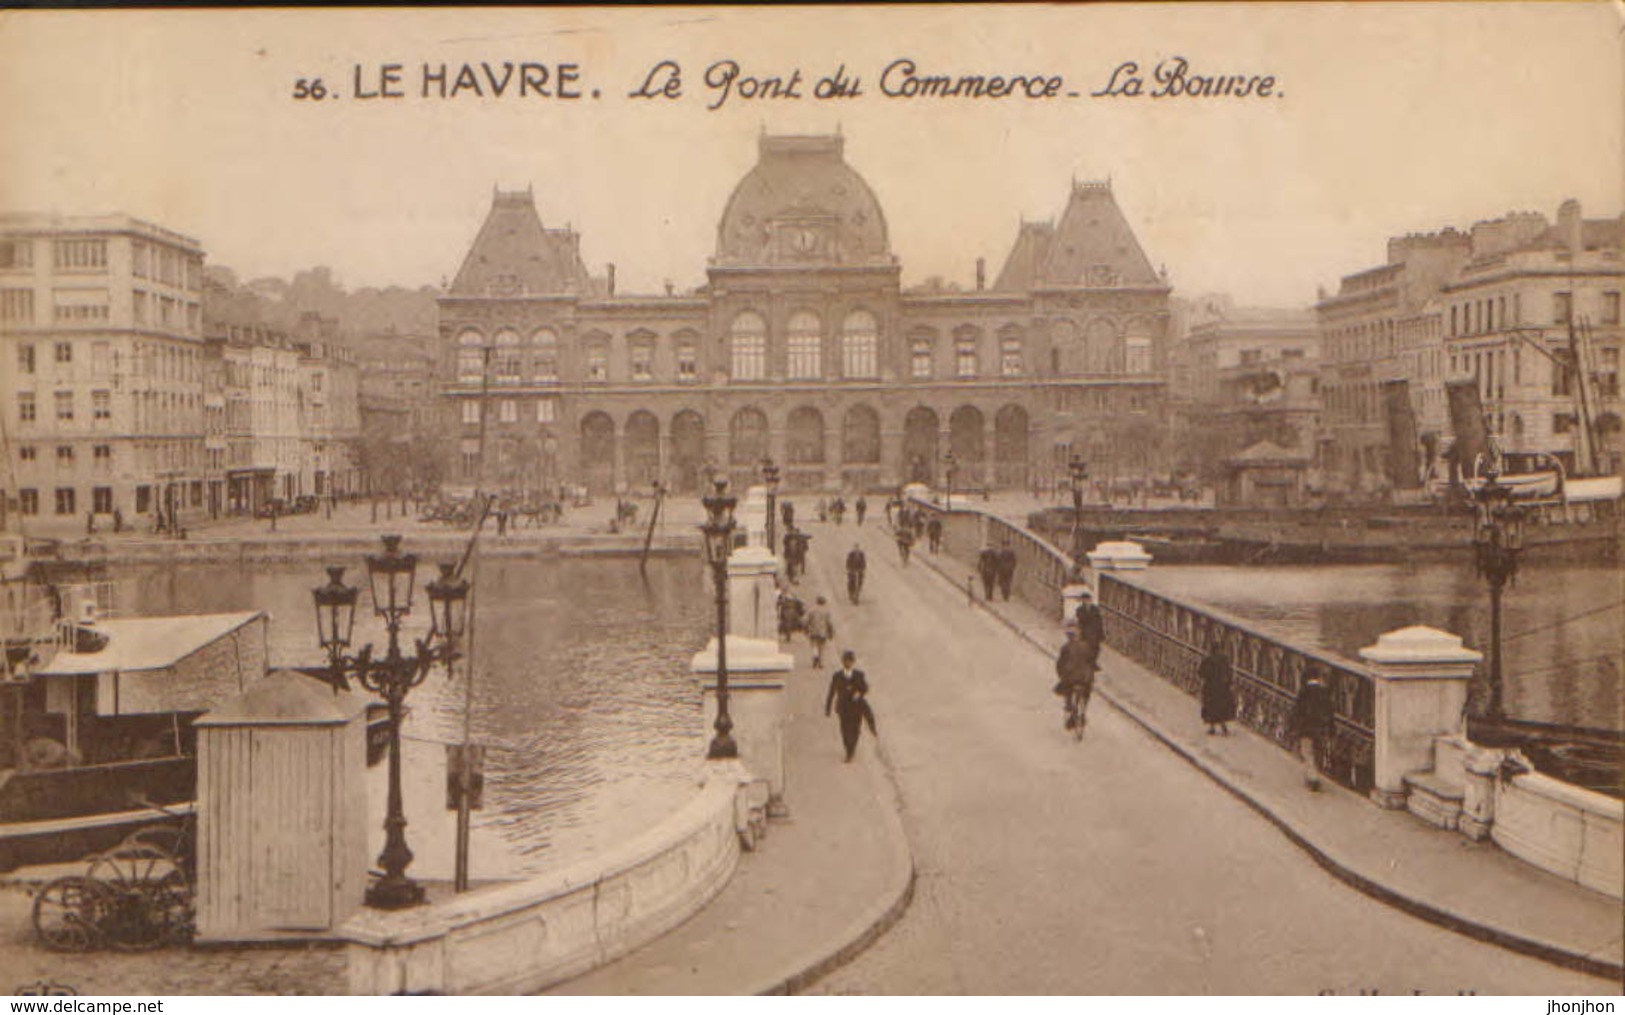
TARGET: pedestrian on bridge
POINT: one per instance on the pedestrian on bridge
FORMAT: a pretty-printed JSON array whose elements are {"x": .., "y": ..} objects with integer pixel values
[
  {"x": 1075, "y": 667},
  {"x": 1007, "y": 570},
  {"x": 1218, "y": 696},
  {"x": 820, "y": 627},
  {"x": 856, "y": 565},
  {"x": 849, "y": 693},
  {"x": 860, "y": 508},
  {"x": 987, "y": 565},
  {"x": 1310, "y": 724},
  {"x": 933, "y": 532},
  {"x": 905, "y": 542},
  {"x": 1091, "y": 626}
]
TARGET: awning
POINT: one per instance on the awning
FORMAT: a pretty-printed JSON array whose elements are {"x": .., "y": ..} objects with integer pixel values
[{"x": 135, "y": 644}]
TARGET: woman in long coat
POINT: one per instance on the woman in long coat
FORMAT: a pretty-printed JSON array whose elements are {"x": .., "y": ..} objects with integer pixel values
[{"x": 1218, "y": 697}]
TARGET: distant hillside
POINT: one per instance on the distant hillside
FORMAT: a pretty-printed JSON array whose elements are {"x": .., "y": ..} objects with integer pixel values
[{"x": 360, "y": 313}]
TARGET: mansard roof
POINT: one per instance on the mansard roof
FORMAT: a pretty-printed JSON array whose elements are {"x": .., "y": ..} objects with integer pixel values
[
  {"x": 1092, "y": 246},
  {"x": 515, "y": 255},
  {"x": 802, "y": 202}
]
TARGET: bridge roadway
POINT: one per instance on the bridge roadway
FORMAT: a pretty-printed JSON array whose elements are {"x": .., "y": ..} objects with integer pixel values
[{"x": 1107, "y": 866}]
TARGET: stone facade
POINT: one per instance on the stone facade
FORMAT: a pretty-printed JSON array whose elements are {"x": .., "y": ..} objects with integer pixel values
[{"x": 803, "y": 347}]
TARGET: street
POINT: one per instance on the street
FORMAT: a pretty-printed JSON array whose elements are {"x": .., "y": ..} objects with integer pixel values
[{"x": 1107, "y": 866}]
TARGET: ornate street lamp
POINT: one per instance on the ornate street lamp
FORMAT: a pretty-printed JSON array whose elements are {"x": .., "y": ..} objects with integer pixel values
[
  {"x": 391, "y": 576},
  {"x": 1080, "y": 473},
  {"x": 1497, "y": 542},
  {"x": 770, "y": 476},
  {"x": 953, "y": 466},
  {"x": 718, "y": 530}
]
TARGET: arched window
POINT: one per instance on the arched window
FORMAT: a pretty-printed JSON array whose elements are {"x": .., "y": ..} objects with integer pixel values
[
  {"x": 805, "y": 341},
  {"x": 470, "y": 357},
  {"x": 641, "y": 348},
  {"x": 859, "y": 337},
  {"x": 597, "y": 347},
  {"x": 507, "y": 368},
  {"x": 688, "y": 356},
  {"x": 747, "y": 348},
  {"x": 546, "y": 358}
]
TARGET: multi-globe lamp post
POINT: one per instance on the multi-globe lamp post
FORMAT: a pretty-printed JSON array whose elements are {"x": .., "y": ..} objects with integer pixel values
[
  {"x": 391, "y": 577},
  {"x": 1497, "y": 542},
  {"x": 718, "y": 531}
]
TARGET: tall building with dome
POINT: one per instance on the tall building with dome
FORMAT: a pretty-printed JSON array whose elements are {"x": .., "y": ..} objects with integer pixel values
[{"x": 803, "y": 347}]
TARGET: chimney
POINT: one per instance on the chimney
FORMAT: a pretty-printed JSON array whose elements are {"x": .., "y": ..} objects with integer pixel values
[
  {"x": 1568, "y": 225},
  {"x": 981, "y": 273},
  {"x": 612, "y": 278}
]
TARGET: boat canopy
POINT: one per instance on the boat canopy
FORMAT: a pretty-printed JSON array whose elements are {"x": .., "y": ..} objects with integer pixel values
[{"x": 135, "y": 644}]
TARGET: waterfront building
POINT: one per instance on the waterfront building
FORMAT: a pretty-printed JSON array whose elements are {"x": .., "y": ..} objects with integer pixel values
[
  {"x": 1547, "y": 388},
  {"x": 803, "y": 346},
  {"x": 102, "y": 391},
  {"x": 1243, "y": 377},
  {"x": 1360, "y": 354}
]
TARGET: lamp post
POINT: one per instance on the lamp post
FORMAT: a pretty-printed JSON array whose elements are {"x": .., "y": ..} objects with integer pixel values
[
  {"x": 952, "y": 467},
  {"x": 391, "y": 576},
  {"x": 1080, "y": 472},
  {"x": 1497, "y": 542},
  {"x": 718, "y": 530},
  {"x": 770, "y": 476}
]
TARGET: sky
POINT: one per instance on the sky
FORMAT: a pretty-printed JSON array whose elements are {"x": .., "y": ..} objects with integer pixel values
[{"x": 1380, "y": 120}]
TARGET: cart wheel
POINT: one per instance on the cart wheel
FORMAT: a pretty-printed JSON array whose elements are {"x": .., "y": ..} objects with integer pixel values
[
  {"x": 143, "y": 885},
  {"x": 68, "y": 914}
]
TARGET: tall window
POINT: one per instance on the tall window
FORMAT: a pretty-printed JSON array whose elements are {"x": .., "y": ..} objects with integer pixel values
[
  {"x": 66, "y": 504},
  {"x": 919, "y": 358},
  {"x": 16, "y": 254},
  {"x": 17, "y": 305},
  {"x": 806, "y": 346},
  {"x": 547, "y": 410},
  {"x": 546, "y": 362},
  {"x": 25, "y": 407},
  {"x": 509, "y": 365},
  {"x": 1011, "y": 361},
  {"x": 101, "y": 405},
  {"x": 859, "y": 338},
  {"x": 64, "y": 352},
  {"x": 965, "y": 364},
  {"x": 747, "y": 348},
  {"x": 470, "y": 358},
  {"x": 25, "y": 358},
  {"x": 598, "y": 359},
  {"x": 508, "y": 410},
  {"x": 28, "y": 501},
  {"x": 1562, "y": 307},
  {"x": 64, "y": 456},
  {"x": 641, "y": 348},
  {"x": 471, "y": 413},
  {"x": 688, "y": 359},
  {"x": 101, "y": 499},
  {"x": 1137, "y": 355},
  {"x": 64, "y": 405}
]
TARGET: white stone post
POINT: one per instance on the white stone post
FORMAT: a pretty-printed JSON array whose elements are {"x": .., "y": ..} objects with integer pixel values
[
  {"x": 752, "y": 516},
  {"x": 757, "y": 703},
  {"x": 1119, "y": 556},
  {"x": 753, "y": 608},
  {"x": 1421, "y": 676}
]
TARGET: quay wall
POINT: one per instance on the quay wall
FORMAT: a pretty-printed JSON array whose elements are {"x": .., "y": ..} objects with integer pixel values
[
  {"x": 1572, "y": 832},
  {"x": 273, "y": 550},
  {"x": 522, "y": 937}
]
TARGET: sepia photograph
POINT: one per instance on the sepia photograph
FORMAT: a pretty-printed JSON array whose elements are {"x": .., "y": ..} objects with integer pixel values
[{"x": 964, "y": 499}]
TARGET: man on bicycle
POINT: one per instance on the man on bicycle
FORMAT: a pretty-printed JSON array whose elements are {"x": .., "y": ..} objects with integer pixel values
[{"x": 1076, "y": 667}]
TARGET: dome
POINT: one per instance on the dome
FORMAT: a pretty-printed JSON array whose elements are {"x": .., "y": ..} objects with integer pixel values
[{"x": 802, "y": 204}]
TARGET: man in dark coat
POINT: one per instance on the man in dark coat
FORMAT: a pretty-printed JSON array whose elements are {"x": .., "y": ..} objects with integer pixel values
[
  {"x": 1218, "y": 697},
  {"x": 1007, "y": 570},
  {"x": 1091, "y": 627},
  {"x": 787, "y": 512},
  {"x": 849, "y": 693},
  {"x": 905, "y": 542},
  {"x": 860, "y": 508},
  {"x": 856, "y": 565},
  {"x": 987, "y": 565},
  {"x": 1075, "y": 667},
  {"x": 933, "y": 532},
  {"x": 1310, "y": 724}
]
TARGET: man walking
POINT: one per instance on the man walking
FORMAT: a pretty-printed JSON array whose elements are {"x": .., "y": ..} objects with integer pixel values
[
  {"x": 987, "y": 565},
  {"x": 849, "y": 693},
  {"x": 933, "y": 532},
  {"x": 1091, "y": 627},
  {"x": 1310, "y": 724},
  {"x": 820, "y": 628},
  {"x": 860, "y": 508},
  {"x": 1007, "y": 570},
  {"x": 905, "y": 542},
  {"x": 856, "y": 565}
]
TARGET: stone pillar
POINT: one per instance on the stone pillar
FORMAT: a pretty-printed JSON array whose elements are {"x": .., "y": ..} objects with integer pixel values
[
  {"x": 1480, "y": 769},
  {"x": 1421, "y": 677},
  {"x": 1119, "y": 556},
  {"x": 757, "y": 703},
  {"x": 751, "y": 517},
  {"x": 753, "y": 610}
]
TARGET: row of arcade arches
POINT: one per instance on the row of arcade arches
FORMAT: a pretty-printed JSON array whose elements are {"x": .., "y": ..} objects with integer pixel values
[{"x": 815, "y": 451}]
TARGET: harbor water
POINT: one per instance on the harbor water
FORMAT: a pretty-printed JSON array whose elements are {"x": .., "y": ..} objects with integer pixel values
[
  {"x": 1563, "y": 622},
  {"x": 581, "y": 691}
]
